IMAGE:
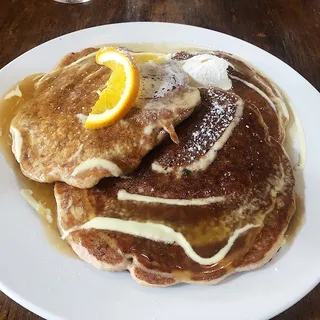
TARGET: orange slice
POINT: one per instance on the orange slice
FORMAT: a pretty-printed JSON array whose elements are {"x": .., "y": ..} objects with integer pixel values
[{"x": 122, "y": 88}]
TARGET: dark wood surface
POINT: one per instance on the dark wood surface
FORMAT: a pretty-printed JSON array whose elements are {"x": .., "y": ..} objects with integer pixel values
[{"x": 289, "y": 29}]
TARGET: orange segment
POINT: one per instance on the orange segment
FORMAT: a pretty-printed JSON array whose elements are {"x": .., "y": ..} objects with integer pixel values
[{"x": 122, "y": 88}]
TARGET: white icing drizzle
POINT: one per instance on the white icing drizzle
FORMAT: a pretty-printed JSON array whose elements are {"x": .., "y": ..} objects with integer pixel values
[
  {"x": 159, "y": 80},
  {"x": 38, "y": 206},
  {"x": 123, "y": 195},
  {"x": 96, "y": 163},
  {"x": 13, "y": 93},
  {"x": 159, "y": 232},
  {"x": 302, "y": 140},
  {"x": 16, "y": 143}
]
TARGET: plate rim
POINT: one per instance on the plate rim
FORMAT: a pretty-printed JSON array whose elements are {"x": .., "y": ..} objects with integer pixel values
[{"x": 42, "y": 312}]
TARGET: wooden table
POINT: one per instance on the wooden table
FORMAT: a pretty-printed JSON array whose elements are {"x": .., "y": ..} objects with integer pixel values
[{"x": 289, "y": 29}]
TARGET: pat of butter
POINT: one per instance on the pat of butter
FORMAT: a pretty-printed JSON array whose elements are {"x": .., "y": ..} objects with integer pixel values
[
  {"x": 13, "y": 93},
  {"x": 206, "y": 70}
]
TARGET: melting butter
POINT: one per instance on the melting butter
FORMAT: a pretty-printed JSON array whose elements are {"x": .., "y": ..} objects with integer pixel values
[
  {"x": 38, "y": 206},
  {"x": 186, "y": 99},
  {"x": 157, "y": 79},
  {"x": 13, "y": 93},
  {"x": 16, "y": 143},
  {"x": 159, "y": 232}
]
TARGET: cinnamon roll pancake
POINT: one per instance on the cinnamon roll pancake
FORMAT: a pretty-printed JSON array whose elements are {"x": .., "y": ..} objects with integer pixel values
[{"x": 217, "y": 203}]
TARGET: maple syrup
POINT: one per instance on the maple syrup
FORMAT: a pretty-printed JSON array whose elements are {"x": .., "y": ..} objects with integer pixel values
[{"x": 41, "y": 192}]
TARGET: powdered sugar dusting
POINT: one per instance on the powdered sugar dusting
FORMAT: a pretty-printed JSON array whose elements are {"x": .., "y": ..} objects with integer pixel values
[
  {"x": 221, "y": 109},
  {"x": 214, "y": 123}
]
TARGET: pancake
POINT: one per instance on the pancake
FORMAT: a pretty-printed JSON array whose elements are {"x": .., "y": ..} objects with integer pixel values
[
  {"x": 253, "y": 88},
  {"x": 218, "y": 202},
  {"x": 49, "y": 138}
]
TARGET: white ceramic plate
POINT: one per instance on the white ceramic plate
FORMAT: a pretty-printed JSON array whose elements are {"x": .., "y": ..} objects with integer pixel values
[{"x": 59, "y": 287}]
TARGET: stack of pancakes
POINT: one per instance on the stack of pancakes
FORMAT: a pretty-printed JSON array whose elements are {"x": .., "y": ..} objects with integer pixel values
[{"x": 198, "y": 176}]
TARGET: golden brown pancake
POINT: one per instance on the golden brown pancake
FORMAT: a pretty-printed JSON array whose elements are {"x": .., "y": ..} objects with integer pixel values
[
  {"x": 49, "y": 138},
  {"x": 248, "y": 173}
]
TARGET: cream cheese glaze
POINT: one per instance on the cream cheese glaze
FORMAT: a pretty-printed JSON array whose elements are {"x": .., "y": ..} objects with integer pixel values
[
  {"x": 159, "y": 232},
  {"x": 96, "y": 163},
  {"x": 123, "y": 195}
]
